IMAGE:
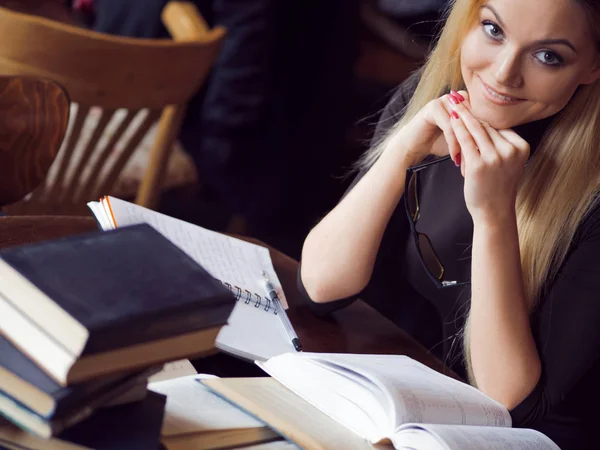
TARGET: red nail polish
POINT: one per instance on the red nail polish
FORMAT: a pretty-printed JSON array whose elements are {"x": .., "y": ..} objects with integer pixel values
[
  {"x": 456, "y": 95},
  {"x": 454, "y": 98},
  {"x": 453, "y": 114},
  {"x": 457, "y": 160}
]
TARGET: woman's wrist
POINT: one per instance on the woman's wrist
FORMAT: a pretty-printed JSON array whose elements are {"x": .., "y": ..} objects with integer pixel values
[
  {"x": 495, "y": 221},
  {"x": 403, "y": 154}
]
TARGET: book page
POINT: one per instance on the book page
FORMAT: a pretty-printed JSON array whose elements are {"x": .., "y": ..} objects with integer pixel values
[
  {"x": 343, "y": 399},
  {"x": 175, "y": 369},
  {"x": 226, "y": 258},
  {"x": 422, "y": 395},
  {"x": 288, "y": 414},
  {"x": 253, "y": 334},
  {"x": 192, "y": 408},
  {"x": 253, "y": 331},
  {"x": 14, "y": 438},
  {"x": 471, "y": 438},
  {"x": 100, "y": 214},
  {"x": 417, "y": 393},
  {"x": 277, "y": 445}
]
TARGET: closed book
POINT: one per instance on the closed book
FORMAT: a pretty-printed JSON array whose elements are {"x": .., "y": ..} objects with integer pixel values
[
  {"x": 128, "y": 293},
  {"x": 115, "y": 392},
  {"x": 25, "y": 382},
  {"x": 135, "y": 426}
]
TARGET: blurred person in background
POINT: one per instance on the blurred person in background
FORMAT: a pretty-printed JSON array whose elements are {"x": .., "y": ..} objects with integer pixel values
[{"x": 266, "y": 129}]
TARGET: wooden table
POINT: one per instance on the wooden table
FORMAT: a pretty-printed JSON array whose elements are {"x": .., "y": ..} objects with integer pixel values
[{"x": 355, "y": 329}]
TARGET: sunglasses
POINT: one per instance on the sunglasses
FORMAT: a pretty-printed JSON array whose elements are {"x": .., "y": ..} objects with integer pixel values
[{"x": 429, "y": 259}]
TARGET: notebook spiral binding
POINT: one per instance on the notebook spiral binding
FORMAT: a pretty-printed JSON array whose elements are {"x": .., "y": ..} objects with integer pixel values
[{"x": 250, "y": 298}]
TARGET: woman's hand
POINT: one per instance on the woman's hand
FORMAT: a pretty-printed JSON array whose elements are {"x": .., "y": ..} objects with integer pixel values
[
  {"x": 429, "y": 132},
  {"x": 492, "y": 164}
]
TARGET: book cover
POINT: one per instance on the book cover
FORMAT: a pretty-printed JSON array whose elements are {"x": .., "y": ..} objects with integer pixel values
[
  {"x": 107, "y": 290},
  {"x": 24, "y": 381},
  {"x": 75, "y": 412},
  {"x": 135, "y": 426}
]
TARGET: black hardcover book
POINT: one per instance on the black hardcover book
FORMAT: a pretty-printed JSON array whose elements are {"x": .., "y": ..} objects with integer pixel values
[
  {"x": 100, "y": 292},
  {"x": 135, "y": 426},
  {"x": 25, "y": 382},
  {"x": 71, "y": 415}
]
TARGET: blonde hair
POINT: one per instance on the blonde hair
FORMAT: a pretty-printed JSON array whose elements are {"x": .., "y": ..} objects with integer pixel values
[{"x": 563, "y": 175}]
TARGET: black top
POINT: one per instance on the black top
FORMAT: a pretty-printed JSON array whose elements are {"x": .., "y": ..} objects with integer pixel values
[{"x": 565, "y": 325}]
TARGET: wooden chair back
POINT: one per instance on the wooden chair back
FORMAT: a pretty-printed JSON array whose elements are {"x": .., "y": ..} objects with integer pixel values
[
  {"x": 33, "y": 119},
  {"x": 152, "y": 79}
]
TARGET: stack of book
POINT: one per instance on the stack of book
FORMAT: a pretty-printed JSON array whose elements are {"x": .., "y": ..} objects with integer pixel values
[{"x": 86, "y": 320}]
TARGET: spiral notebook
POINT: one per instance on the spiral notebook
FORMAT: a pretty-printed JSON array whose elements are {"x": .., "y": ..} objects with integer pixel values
[{"x": 253, "y": 331}]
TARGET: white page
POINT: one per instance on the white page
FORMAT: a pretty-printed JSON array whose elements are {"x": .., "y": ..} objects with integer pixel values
[
  {"x": 251, "y": 333},
  {"x": 423, "y": 395},
  {"x": 192, "y": 408},
  {"x": 339, "y": 397},
  {"x": 175, "y": 369},
  {"x": 414, "y": 438},
  {"x": 226, "y": 258},
  {"x": 419, "y": 394},
  {"x": 474, "y": 438},
  {"x": 98, "y": 209},
  {"x": 277, "y": 445}
]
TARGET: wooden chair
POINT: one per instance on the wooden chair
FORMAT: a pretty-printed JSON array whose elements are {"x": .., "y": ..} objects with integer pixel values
[
  {"x": 152, "y": 79},
  {"x": 34, "y": 114}
]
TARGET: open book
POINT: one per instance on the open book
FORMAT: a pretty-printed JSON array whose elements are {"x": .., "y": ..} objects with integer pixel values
[
  {"x": 253, "y": 332},
  {"x": 388, "y": 398}
]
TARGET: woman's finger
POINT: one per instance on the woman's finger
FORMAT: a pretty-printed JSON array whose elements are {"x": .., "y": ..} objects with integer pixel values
[
  {"x": 465, "y": 96},
  {"x": 465, "y": 139},
  {"x": 520, "y": 144},
  {"x": 508, "y": 143},
  {"x": 478, "y": 132},
  {"x": 441, "y": 116},
  {"x": 504, "y": 147},
  {"x": 453, "y": 146}
]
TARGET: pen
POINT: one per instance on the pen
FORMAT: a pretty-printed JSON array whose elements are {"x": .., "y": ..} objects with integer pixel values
[{"x": 289, "y": 329}]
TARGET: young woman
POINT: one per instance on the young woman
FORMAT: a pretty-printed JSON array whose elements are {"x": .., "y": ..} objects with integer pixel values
[{"x": 495, "y": 264}]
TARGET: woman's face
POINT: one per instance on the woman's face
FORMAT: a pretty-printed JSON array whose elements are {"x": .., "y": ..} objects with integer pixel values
[{"x": 524, "y": 59}]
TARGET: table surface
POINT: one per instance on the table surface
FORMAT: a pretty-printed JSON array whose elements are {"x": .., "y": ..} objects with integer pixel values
[{"x": 357, "y": 328}]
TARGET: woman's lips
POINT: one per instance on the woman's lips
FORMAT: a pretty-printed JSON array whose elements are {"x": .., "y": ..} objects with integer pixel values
[{"x": 498, "y": 98}]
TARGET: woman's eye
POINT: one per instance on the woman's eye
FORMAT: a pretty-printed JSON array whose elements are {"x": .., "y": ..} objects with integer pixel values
[
  {"x": 549, "y": 58},
  {"x": 492, "y": 30}
]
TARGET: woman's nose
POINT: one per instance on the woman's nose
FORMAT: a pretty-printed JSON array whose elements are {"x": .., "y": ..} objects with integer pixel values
[{"x": 508, "y": 69}]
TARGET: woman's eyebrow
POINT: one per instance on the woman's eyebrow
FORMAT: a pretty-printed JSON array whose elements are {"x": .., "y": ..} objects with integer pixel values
[
  {"x": 556, "y": 42},
  {"x": 496, "y": 15},
  {"x": 564, "y": 42}
]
